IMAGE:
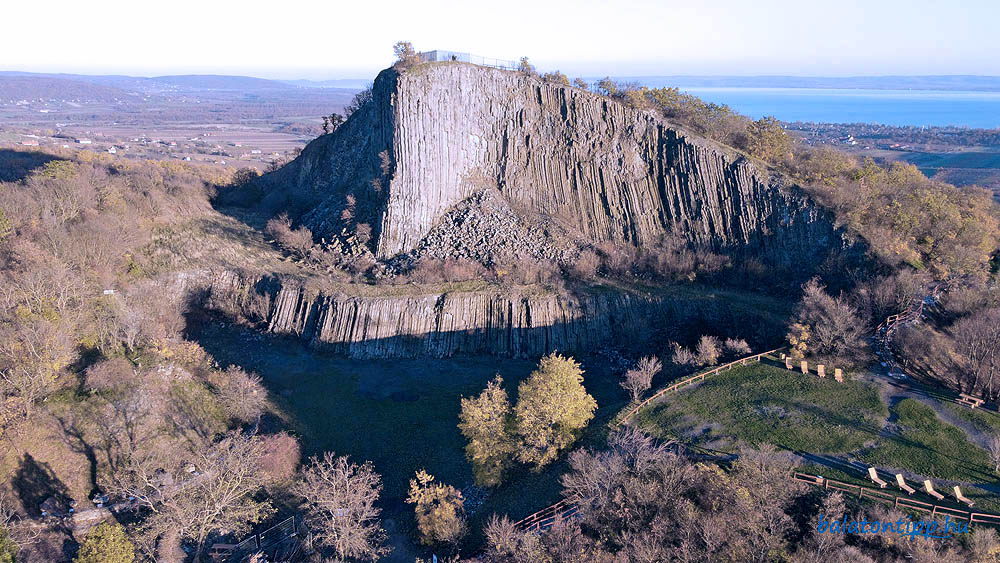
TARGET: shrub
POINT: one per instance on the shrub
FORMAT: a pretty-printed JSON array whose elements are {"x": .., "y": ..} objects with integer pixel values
[
  {"x": 8, "y": 547},
  {"x": 110, "y": 374},
  {"x": 737, "y": 347},
  {"x": 106, "y": 543},
  {"x": 767, "y": 140},
  {"x": 557, "y": 77},
  {"x": 682, "y": 356},
  {"x": 585, "y": 266},
  {"x": 708, "y": 350},
  {"x": 242, "y": 394},
  {"x": 280, "y": 457},
  {"x": 640, "y": 378},
  {"x": 428, "y": 270},
  {"x": 526, "y": 67},
  {"x": 298, "y": 240},
  {"x": 406, "y": 55},
  {"x": 440, "y": 510},
  {"x": 358, "y": 101}
]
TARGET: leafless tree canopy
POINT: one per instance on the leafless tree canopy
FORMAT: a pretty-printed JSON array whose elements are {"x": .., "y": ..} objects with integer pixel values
[
  {"x": 339, "y": 502},
  {"x": 639, "y": 379}
]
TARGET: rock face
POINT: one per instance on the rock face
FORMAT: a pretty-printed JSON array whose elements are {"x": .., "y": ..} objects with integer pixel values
[
  {"x": 493, "y": 323},
  {"x": 440, "y": 133}
]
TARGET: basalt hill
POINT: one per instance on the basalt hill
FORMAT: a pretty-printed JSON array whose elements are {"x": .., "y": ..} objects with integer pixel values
[
  {"x": 466, "y": 161},
  {"x": 447, "y": 131}
]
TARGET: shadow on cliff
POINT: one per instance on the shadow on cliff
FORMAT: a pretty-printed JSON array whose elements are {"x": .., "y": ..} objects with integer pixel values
[{"x": 511, "y": 327}]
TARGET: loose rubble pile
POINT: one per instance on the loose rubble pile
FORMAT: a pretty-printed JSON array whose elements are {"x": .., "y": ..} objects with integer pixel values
[{"x": 484, "y": 228}]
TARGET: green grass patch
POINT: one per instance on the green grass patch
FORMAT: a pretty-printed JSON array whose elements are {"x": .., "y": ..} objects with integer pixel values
[
  {"x": 769, "y": 404},
  {"x": 981, "y": 419},
  {"x": 928, "y": 446}
]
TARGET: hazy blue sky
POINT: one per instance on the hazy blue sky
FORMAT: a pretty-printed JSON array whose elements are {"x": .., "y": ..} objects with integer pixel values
[{"x": 295, "y": 39}]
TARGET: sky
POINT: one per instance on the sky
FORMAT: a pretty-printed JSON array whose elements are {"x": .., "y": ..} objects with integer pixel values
[{"x": 321, "y": 40}]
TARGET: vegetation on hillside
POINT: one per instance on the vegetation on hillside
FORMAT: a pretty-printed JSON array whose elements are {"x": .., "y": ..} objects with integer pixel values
[
  {"x": 907, "y": 218},
  {"x": 638, "y": 502}
]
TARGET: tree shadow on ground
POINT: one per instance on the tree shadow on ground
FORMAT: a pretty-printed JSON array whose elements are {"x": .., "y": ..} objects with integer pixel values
[
  {"x": 35, "y": 482},
  {"x": 16, "y": 165}
]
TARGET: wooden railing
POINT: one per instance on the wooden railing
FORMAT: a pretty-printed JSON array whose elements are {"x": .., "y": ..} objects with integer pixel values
[
  {"x": 544, "y": 518},
  {"x": 897, "y": 501},
  {"x": 695, "y": 379}
]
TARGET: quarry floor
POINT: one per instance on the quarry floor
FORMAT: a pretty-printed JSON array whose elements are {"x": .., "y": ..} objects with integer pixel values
[{"x": 401, "y": 415}]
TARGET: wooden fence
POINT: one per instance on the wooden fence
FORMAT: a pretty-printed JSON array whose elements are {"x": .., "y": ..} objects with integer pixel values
[
  {"x": 897, "y": 501},
  {"x": 695, "y": 379},
  {"x": 544, "y": 518}
]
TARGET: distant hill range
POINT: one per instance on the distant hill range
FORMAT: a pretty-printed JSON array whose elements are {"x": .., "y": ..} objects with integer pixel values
[
  {"x": 119, "y": 89},
  {"x": 15, "y": 84},
  {"x": 948, "y": 82}
]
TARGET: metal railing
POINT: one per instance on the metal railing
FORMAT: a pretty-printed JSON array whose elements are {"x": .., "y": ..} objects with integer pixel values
[{"x": 265, "y": 540}]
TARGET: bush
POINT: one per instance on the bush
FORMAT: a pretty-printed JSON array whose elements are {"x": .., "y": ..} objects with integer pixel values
[
  {"x": 106, "y": 543},
  {"x": 280, "y": 457},
  {"x": 639, "y": 379},
  {"x": 440, "y": 510},
  {"x": 242, "y": 394},
  {"x": 556, "y": 77},
  {"x": 406, "y": 55},
  {"x": 767, "y": 140},
  {"x": 8, "y": 547},
  {"x": 358, "y": 101},
  {"x": 244, "y": 176},
  {"x": 526, "y": 67},
  {"x": 682, "y": 356},
  {"x": 709, "y": 350},
  {"x": 737, "y": 347},
  {"x": 585, "y": 266},
  {"x": 428, "y": 270},
  {"x": 298, "y": 240}
]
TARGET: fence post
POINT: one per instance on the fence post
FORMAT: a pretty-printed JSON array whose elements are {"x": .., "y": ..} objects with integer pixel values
[
  {"x": 934, "y": 511},
  {"x": 895, "y": 502}
]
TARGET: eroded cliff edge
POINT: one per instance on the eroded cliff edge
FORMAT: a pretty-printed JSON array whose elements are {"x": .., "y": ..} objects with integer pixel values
[{"x": 439, "y": 133}]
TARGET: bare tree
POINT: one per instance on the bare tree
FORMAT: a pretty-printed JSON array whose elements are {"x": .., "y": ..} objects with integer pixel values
[
  {"x": 242, "y": 394},
  {"x": 977, "y": 339},
  {"x": 738, "y": 347},
  {"x": 709, "y": 349},
  {"x": 214, "y": 492},
  {"x": 993, "y": 447},
  {"x": 339, "y": 502},
  {"x": 639, "y": 379},
  {"x": 32, "y": 353},
  {"x": 826, "y": 326}
]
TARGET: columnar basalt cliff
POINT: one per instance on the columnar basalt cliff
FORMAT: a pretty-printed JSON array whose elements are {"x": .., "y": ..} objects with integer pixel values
[
  {"x": 439, "y": 133},
  {"x": 508, "y": 323}
]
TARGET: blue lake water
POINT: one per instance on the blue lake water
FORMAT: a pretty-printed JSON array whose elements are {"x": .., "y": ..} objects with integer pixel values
[{"x": 890, "y": 107}]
